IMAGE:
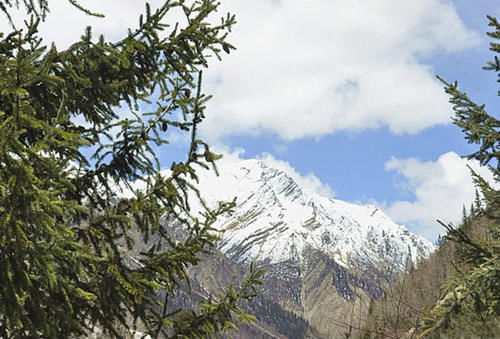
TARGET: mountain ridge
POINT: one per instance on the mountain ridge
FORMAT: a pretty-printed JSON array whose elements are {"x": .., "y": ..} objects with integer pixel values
[
  {"x": 276, "y": 219},
  {"x": 325, "y": 259}
]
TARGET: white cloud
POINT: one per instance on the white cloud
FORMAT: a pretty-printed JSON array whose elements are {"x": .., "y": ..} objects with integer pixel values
[
  {"x": 65, "y": 24},
  {"x": 309, "y": 68},
  {"x": 441, "y": 189}
]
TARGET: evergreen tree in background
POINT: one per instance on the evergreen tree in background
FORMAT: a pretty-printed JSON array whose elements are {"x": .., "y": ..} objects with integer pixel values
[
  {"x": 64, "y": 228},
  {"x": 470, "y": 303}
]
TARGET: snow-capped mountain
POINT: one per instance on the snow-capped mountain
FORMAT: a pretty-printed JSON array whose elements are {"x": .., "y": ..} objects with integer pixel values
[
  {"x": 325, "y": 259},
  {"x": 276, "y": 220}
]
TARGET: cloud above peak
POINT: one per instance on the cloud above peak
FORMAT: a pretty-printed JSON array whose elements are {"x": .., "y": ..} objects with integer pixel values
[{"x": 310, "y": 68}]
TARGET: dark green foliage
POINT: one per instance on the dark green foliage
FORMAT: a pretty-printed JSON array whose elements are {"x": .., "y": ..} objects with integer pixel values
[
  {"x": 64, "y": 228},
  {"x": 470, "y": 302},
  {"x": 455, "y": 293}
]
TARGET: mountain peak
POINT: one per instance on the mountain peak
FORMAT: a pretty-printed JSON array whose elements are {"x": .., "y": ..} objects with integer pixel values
[{"x": 276, "y": 220}]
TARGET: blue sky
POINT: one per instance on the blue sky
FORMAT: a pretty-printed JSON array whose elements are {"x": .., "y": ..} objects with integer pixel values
[
  {"x": 342, "y": 93},
  {"x": 426, "y": 180}
]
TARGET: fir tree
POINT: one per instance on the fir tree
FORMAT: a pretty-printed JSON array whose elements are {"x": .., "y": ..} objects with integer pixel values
[
  {"x": 465, "y": 217},
  {"x": 478, "y": 205},
  {"x": 470, "y": 304},
  {"x": 64, "y": 228}
]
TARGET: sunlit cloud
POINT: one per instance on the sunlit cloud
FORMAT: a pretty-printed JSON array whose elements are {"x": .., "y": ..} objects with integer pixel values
[{"x": 440, "y": 188}]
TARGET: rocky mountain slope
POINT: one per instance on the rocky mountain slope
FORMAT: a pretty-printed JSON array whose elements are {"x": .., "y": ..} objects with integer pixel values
[{"x": 325, "y": 258}]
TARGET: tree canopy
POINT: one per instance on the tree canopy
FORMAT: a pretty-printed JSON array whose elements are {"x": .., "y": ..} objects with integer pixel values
[
  {"x": 65, "y": 228},
  {"x": 470, "y": 303}
]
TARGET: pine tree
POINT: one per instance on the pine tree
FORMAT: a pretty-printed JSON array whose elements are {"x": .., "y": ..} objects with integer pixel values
[
  {"x": 470, "y": 304},
  {"x": 64, "y": 227},
  {"x": 478, "y": 205}
]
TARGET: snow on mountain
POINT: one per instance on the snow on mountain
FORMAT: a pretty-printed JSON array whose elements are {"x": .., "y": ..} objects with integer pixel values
[
  {"x": 322, "y": 256},
  {"x": 276, "y": 220}
]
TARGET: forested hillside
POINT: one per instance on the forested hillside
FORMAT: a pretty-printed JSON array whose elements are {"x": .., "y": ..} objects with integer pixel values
[
  {"x": 455, "y": 293},
  {"x": 402, "y": 310}
]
